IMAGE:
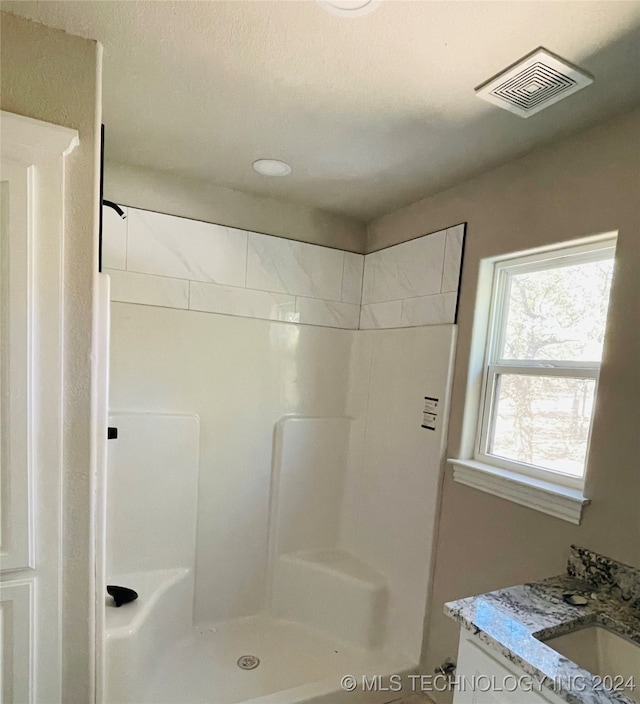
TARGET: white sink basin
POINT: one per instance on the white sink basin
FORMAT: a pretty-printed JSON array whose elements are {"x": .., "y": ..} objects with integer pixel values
[{"x": 603, "y": 653}]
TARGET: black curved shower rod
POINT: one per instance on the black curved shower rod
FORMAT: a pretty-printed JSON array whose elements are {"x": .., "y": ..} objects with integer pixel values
[
  {"x": 108, "y": 203},
  {"x": 116, "y": 207}
]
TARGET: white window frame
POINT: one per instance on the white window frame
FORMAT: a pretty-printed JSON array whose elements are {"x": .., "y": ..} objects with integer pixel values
[
  {"x": 538, "y": 488},
  {"x": 602, "y": 248}
]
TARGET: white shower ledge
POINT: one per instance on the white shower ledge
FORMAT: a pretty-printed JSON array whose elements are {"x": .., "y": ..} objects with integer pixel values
[
  {"x": 552, "y": 499},
  {"x": 150, "y": 586}
]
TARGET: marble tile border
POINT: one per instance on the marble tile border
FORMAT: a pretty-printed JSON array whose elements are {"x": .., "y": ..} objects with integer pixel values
[
  {"x": 381, "y": 315},
  {"x": 297, "y": 268},
  {"x": 407, "y": 270},
  {"x": 438, "y": 309},
  {"x": 148, "y": 289},
  {"x": 333, "y": 314},
  {"x": 165, "y": 260},
  {"x": 352, "y": 273},
  {"x": 191, "y": 250},
  {"x": 244, "y": 302},
  {"x": 414, "y": 283}
]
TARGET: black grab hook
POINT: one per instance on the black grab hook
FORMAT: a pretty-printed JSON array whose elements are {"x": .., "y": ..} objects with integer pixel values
[{"x": 121, "y": 595}]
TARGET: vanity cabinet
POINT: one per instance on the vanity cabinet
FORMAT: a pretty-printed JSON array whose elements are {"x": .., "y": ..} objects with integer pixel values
[{"x": 485, "y": 677}]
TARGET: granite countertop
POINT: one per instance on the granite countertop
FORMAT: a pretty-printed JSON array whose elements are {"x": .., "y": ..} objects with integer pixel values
[{"x": 514, "y": 621}]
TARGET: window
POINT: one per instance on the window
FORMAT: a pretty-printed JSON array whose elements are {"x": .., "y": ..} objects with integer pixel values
[{"x": 545, "y": 335}]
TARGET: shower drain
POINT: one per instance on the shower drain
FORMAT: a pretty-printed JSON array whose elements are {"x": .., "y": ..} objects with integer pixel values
[{"x": 248, "y": 662}]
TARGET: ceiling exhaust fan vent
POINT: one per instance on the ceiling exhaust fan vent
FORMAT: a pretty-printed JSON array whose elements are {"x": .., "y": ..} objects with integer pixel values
[{"x": 534, "y": 83}]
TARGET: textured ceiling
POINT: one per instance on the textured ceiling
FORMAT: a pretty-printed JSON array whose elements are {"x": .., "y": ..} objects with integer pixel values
[{"x": 372, "y": 112}]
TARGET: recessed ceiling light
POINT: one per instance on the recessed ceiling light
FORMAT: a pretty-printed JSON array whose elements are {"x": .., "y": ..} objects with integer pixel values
[
  {"x": 272, "y": 167},
  {"x": 349, "y": 8}
]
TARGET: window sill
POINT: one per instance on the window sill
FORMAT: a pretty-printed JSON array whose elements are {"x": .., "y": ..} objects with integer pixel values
[{"x": 537, "y": 494}]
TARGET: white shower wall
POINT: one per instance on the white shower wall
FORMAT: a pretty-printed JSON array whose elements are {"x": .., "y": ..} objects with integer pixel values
[
  {"x": 395, "y": 466},
  {"x": 180, "y": 345},
  {"x": 240, "y": 376}
]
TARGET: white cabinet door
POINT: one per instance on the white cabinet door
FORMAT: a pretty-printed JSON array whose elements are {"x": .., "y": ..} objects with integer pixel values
[
  {"x": 32, "y": 164},
  {"x": 484, "y": 677}
]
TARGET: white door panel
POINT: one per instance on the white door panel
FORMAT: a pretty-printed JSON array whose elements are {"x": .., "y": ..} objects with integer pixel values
[
  {"x": 16, "y": 623},
  {"x": 15, "y": 298},
  {"x": 31, "y": 413}
]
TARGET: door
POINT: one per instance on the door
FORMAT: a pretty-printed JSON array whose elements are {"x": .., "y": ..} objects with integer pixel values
[{"x": 31, "y": 235}]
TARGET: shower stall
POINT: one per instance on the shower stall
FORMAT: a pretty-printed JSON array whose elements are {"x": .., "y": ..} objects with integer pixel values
[{"x": 272, "y": 490}]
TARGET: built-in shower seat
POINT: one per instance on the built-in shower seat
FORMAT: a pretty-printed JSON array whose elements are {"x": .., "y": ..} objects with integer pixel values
[{"x": 331, "y": 591}]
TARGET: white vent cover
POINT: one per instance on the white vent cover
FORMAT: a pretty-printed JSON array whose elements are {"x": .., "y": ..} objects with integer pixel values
[{"x": 532, "y": 84}]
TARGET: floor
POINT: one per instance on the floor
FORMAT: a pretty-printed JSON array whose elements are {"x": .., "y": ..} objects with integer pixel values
[
  {"x": 203, "y": 668},
  {"x": 418, "y": 698}
]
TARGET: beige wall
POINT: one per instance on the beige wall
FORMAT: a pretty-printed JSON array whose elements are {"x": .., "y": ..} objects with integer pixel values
[
  {"x": 55, "y": 77},
  {"x": 200, "y": 200},
  {"x": 586, "y": 184}
]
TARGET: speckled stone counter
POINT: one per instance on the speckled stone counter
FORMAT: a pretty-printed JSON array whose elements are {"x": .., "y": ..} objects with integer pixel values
[{"x": 514, "y": 621}]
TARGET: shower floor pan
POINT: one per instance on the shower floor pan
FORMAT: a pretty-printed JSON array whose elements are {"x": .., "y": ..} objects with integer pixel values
[{"x": 297, "y": 664}]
